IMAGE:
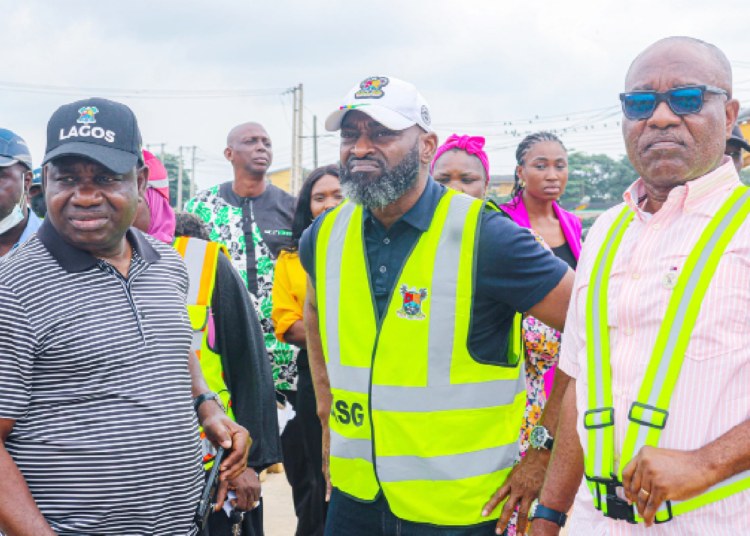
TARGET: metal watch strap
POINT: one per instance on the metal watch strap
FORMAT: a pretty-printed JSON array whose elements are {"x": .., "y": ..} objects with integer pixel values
[
  {"x": 549, "y": 443},
  {"x": 200, "y": 399},
  {"x": 542, "y": 512}
]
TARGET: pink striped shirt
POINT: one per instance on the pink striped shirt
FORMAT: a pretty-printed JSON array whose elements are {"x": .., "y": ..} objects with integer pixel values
[{"x": 713, "y": 392}]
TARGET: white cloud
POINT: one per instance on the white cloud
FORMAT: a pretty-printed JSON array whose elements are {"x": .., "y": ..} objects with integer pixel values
[{"x": 476, "y": 62}]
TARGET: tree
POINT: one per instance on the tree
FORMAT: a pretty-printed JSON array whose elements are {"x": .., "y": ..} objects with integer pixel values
[
  {"x": 598, "y": 177},
  {"x": 172, "y": 163}
]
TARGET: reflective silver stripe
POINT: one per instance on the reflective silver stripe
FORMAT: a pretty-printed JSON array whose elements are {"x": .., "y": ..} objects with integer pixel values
[
  {"x": 195, "y": 253},
  {"x": 354, "y": 379},
  {"x": 676, "y": 327},
  {"x": 349, "y": 448},
  {"x": 599, "y": 384},
  {"x": 334, "y": 258},
  {"x": 453, "y": 467},
  {"x": 197, "y": 341},
  {"x": 444, "y": 287},
  {"x": 447, "y": 397}
]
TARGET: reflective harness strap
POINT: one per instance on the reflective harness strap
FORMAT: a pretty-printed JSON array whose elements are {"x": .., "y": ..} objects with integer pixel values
[
  {"x": 648, "y": 414},
  {"x": 600, "y": 418}
]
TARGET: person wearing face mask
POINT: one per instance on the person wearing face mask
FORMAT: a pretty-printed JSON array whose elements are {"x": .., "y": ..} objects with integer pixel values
[
  {"x": 321, "y": 192},
  {"x": 36, "y": 195},
  {"x": 17, "y": 222}
]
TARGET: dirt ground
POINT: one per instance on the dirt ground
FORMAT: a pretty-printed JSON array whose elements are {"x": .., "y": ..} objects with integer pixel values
[{"x": 278, "y": 510}]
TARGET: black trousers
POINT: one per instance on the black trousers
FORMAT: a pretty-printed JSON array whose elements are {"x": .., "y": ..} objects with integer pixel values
[
  {"x": 252, "y": 525},
  {"x": 302, "y": 445}
]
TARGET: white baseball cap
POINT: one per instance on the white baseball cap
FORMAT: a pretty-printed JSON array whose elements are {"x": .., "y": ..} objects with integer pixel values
[{"x": 389, "y": 101}]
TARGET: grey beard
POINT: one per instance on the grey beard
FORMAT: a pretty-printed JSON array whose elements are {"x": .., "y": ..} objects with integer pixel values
[{"x": 384, "y": 189}]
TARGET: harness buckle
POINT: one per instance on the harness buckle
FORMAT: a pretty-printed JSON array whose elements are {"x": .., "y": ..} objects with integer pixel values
[
  {"x": 591, "y": 416},
  {"x": 617, "y": 508},
  {"x": 662, "y": 412}
]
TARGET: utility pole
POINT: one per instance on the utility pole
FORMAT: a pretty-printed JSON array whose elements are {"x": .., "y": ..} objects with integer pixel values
[
  {"x": 192, "y": 176},
  {"x": 315, "y": 141},
  {"x": 299, "y": 144},
  {"x": 179, "y": 183},
  {"x": 162, "y": 153},
  {"x": 293, "y": 168}
]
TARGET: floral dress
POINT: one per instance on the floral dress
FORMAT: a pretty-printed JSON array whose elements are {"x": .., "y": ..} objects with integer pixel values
[
  {"x": 224, "y": 223},
  {"x": 542, "y": 349}
]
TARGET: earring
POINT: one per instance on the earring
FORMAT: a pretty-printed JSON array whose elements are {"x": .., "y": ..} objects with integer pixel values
[{"x": 523, "y": 184}]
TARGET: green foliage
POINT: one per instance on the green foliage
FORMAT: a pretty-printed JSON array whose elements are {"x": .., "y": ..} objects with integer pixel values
[
  {"x": 599, "y": 177},
  {"x": 745, "y": 176},
  {"x": 172, "y": 163}
]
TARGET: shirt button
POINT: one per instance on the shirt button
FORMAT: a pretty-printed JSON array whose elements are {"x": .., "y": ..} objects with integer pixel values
[
  {"x": 628, "y": 331},
  {"x": 636, "y": 275},
  {"x": 386, "y": 241},
  {"x": 619, "y": 392},
  {"x": 688, "y": 209},
  {"x": 657, "y": 226},
  {"x": 382, "y": 269}
]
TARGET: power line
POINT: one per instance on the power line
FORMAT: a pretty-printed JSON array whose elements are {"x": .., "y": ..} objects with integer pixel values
[{"x": 141, "y": 93}]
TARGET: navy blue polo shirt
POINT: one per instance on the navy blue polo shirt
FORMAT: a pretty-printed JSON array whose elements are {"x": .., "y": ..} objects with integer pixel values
[{"x": 513, "y": 271}]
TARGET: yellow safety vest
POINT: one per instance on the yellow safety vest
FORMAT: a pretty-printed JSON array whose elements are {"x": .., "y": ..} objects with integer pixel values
[
  {"x": 649, "y": 413},
  {"x": 201, "y": 259},
  {"x": 415, "y": 416}
]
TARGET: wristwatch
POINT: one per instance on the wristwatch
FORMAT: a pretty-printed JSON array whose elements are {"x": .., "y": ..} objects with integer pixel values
[
  {"x": 537, "y": 511},
  {"x": 539, "y": 438},
  {"x": 200, "y": 399}
]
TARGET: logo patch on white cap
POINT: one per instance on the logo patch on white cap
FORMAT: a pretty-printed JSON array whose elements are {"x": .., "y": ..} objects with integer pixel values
[
  {"x": 425, "y": 115},
  {"x": 371, "y": 88},
  {"x": 87, "y": 115}
]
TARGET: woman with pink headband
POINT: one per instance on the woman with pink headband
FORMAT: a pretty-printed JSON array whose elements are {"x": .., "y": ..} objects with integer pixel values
[
  {"x": 461, "y": 164},
  {"x": 155, "y": 216}
]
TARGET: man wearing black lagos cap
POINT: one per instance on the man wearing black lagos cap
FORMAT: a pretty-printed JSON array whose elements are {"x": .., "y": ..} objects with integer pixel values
[
  {"x": 98, "y": 427},
  {"x": 413, "y": 333}
]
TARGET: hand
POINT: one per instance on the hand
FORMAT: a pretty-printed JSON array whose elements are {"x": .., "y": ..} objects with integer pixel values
[
  {"x": 327, "y": 459},
  {"x": 657, "y": 475},
  {"x": 247, "y": 488},
  {"x": 223, "y": 431},
  {"x": 542, "y": 527},
  {"x": 523, "y": 485}
]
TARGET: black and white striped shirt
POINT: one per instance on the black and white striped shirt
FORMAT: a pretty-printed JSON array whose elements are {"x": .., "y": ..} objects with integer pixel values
[{"x": 93, "y": 370}]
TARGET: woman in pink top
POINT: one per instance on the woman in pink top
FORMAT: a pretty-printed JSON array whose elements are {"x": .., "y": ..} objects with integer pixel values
[{"x": 541, "y": 177}]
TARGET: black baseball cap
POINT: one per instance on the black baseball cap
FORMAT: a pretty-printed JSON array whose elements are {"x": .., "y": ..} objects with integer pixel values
[
  {"x": 99, "y": 129},
  {"x": 738, "y": 139},
  {"x": 13, "y": 149}
]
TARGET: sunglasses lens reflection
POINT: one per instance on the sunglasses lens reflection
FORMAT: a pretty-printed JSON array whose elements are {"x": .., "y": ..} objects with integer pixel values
[
  {"x": 639, "y": 106},
  {"x": 686, "y": 101}
]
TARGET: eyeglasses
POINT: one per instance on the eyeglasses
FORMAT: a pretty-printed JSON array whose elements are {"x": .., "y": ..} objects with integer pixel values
[{"x": 638, "y": 105}]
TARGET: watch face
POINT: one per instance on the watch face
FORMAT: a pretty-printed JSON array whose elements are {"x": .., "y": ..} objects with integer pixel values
[{"x": 537, "y": 437}]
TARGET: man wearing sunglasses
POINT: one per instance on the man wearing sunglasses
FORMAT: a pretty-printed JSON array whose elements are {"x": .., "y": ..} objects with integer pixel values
[{"x": 655, "y": 422}]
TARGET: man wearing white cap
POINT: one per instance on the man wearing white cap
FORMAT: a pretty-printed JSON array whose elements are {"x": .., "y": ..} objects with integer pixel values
[{"x": 414, "y": 290}]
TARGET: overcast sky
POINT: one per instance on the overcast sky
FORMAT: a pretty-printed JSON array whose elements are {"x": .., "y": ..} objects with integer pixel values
[{"x": 480, "y": 64}]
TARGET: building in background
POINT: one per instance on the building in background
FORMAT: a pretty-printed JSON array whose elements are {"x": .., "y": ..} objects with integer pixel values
[{"x": 500, "y": 185}]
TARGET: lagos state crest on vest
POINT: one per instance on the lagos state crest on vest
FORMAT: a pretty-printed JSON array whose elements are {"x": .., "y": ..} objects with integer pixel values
[{"x": 412, "y": 303}]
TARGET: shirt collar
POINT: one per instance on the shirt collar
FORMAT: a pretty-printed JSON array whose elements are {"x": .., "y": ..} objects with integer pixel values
[
  {"x": 692, "y": 193},
  {"x": 420, "y": 215},
  {"x": 74, "y": 260}
]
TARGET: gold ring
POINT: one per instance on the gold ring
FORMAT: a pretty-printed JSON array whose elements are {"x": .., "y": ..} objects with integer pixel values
[{"x": 646, "y": 492}]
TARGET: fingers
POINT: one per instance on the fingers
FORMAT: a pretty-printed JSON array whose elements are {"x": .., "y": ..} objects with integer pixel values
[
  {"x": 507, "y": 513},
  {"x": 499, "y": 496},
  {"x": 643, "y": 495},
  {"x": 652, "y": 506},
  {"x": 236, "y": 463},
  {"x": 221, "y": 495},
  {"x": 245, "y": 500},
  {"x": 627, "y": 479}
]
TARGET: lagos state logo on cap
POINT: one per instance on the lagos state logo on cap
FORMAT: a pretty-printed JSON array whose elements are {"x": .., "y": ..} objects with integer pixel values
[
  {"x": 87, "y": 115},
  {"x": 371, "y": 88}
]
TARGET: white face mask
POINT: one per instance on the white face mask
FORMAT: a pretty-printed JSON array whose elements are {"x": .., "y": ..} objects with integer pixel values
[{"x": 14, "y": 218}]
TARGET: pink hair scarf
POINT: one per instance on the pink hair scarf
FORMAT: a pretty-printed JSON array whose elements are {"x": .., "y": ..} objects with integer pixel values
[
  {"x": 474, "y": 145},
  {"x": 163, "y": 222}
]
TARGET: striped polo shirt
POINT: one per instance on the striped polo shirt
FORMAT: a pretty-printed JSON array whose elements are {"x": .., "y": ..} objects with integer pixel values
[{"x": 94, "y": 372}]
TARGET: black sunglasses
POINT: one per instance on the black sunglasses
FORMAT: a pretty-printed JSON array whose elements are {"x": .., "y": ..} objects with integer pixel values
[{"x": 638, "y": 105}]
